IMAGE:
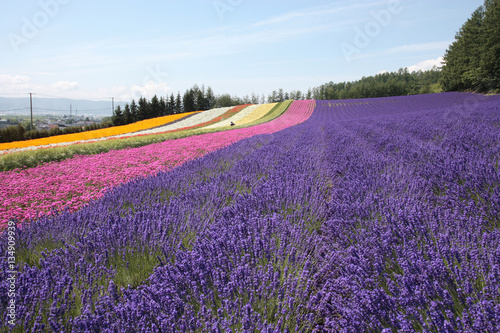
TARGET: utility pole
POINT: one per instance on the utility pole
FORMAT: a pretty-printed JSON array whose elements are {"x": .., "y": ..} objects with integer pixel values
[
  {"x": 113, "y": 105},
  {"x": 31, "y": 109},
  {"x": 70, "y": 111}
]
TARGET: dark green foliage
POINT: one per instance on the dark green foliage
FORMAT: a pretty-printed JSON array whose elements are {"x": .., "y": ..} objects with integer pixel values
[
  {"x": 387, "y": 84},
  {"x": 19, "y": 133},
  {"x": 472, "y": 62},
  {"x": 127, "y": 115},
  {"x": 12, "y": 133},
  {"x": 188, "y": 100},
  {"x": 143, "y": 110},
  {"x": 118, "y": 117},
  {"x": 178, "y": 103},
  {"x": 155, "y": 109}
]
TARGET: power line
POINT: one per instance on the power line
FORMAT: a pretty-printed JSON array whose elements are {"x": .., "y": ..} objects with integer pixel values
[
  {"x": 63, "y": 110},
  {"x": 16, "y": 110},
  {"x": 94, "y": 99},
  {"x": 31, "y": 107},
  {"x": 2, "y": 93}
]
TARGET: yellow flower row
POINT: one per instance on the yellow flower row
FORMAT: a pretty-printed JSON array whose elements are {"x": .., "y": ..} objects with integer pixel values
[
  {"x": 260, "y": 112},
  {"x": 96, "y": 134}
]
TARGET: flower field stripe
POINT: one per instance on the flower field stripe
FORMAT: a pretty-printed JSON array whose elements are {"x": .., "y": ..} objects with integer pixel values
[
  {"x": 260, "y": 112},
  {"x": 228, "y": 114},
  {"x": 191, "y": 122},
  {"x": 200, "y": 120},
  {"x": 96, "y": 134},
  {"x": 72, "y": 183},
  {"x": 236, "y": 118},
  {"x": 274, "y": 113}
]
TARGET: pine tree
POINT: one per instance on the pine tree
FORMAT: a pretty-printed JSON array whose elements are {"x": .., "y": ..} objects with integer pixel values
[
  {"x": 472, "y": 62},
  {"x": 263, "y": 99},
  {"x": 178, "y": 104},
  {"x": 201, "y": 102},
  {"x": 188, "y": 101},
  {"x": 490, "y": 61},
  {"x": 117, "y": 117},
  {"x": 255, "y": 98},
  {"x": 133, "y": 111},
  {"x": 210, "y": 97},
  {"x": 163, "y": 106},
  {"x": 143, "y": 109},
  {"x": 281, "y": 95},
  {"x": 154, "y": 108},
  {"x": 127, "y": 115},
  {"x": 171, "y": 104}
]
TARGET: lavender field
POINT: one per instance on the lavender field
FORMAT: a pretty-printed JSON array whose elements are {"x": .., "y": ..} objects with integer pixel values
[{"x": 374, "y": 215}]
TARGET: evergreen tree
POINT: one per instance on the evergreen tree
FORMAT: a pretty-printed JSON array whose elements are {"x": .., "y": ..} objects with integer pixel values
[
  {"x": 472, "y": 62},
  {"x": 188, "y": 100},
  {"x": 309, "y": 94},
  {"x": 254, "y": 99},
  {"x": 490, "y": 61},
  {"x": 133, "y": 111},
  {"x": 246, "y": 100},
  {"x": 210, "y": 97},
  {"x": 224, "y": 100},
  {"x": 178, "y": 104},
  {"x": 281, "y": 95},
  {"x": 201, "y": 101},
  {"x": 462, "y": 59},
  {"x": 154, "y": 108},
  {"x": 163, "y": 106},
  {"x": 143, "y": 109},
  {"x": 273, "y": 98},
  {"x": 127, "y": 115},
  {"x": 118, "y": 118},
  {"x": 171, "y": 104}
]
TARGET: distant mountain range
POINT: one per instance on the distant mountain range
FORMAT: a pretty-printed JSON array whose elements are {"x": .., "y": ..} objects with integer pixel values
[{"x": 56, "y": 106}]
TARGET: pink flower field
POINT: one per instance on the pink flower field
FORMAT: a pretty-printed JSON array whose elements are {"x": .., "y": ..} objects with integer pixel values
[{"x": 70, "y": 184}]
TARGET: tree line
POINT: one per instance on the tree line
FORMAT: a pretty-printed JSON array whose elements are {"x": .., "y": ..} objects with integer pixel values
[
  {"x": 385, "y": 84},
  {"x": 472, "y": 61}
]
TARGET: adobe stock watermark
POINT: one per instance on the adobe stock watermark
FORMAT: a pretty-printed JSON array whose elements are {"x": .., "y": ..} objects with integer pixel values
[
  {"x": 372, "y": 29},
  {"x": 155, "y": 75},
  {"x": 459, "y": 112},
  {"x": 31, "y": 27},
  {"x": 11, "y": 273},
  {"x": 224, "y": 6}
]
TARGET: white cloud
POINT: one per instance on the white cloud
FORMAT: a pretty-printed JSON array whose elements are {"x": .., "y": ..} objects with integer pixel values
[
  {"x": 65, "y": 86},
  {"x": 15, "y": 83},
  {"x": 23, "y": 84},
  {"x": 426, "y": 65},
  {"x": 148, "y": 90},
  {"x": 433, "y": 46},
  {"x": 405, "y": 49},
  {"x": 315, "y": 12}
]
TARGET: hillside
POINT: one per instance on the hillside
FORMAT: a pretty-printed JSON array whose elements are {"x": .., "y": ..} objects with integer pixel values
[{"x": 332, "y": 213}]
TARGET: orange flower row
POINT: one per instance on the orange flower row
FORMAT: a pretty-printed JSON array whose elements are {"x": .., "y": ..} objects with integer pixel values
[{"x": 96, "y": 134}]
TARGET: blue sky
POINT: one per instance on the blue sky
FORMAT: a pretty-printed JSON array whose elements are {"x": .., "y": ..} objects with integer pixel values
[{"x": 127, "y": 49}]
